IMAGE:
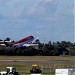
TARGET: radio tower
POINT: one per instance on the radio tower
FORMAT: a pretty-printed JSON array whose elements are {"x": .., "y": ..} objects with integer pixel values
[
  {"x": 37, "y": 35},
  {"x": 37, "y": 38}
]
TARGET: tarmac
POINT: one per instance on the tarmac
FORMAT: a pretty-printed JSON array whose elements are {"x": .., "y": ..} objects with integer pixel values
[{"x": 38, "y": 60}]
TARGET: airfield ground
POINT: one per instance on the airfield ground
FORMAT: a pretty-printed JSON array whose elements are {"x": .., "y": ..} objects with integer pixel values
[{"x": 24, "y": 67}]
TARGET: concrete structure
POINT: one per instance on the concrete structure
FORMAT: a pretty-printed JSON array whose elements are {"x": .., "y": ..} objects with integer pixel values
[
  {"x": 36, "y": 46},
  {"x": 35, "y": 74},
  {"x": 64, "y": 72}
]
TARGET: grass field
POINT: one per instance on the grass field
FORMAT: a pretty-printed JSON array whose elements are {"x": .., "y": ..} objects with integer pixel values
[
  {"x": 24, "y": 67},
  {"x": 38, "y": 57}
]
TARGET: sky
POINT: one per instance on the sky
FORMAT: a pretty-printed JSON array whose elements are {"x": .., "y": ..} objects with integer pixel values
[{"x": 49, "y": 20}]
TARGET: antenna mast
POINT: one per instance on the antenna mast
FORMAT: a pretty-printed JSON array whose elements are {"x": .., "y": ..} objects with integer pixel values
[{"x": 37, "y": 35}]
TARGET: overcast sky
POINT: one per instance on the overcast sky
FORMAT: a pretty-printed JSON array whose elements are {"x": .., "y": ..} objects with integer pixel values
[{"x": 52, "y": 19}]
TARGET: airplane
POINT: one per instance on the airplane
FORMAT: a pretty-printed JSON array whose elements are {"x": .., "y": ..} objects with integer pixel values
[{"x": 18, "y": 43}]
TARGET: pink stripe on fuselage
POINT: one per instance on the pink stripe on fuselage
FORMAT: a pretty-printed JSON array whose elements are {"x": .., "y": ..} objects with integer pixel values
[{"x": 24, "y": 39}]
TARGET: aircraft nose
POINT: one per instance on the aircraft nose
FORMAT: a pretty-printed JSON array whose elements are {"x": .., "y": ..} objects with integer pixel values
[{"x": 32, "y": 37}]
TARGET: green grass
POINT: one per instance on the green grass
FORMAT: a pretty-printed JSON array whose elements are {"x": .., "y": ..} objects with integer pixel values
[
  {"x": 38, "y": 57},
  {"x": 24, "y": 67}
]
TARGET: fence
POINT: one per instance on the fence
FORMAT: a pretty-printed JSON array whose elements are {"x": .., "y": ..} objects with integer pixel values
[
  {"x": 46, "y": 70},
  {"x": 50, "y": 70}
]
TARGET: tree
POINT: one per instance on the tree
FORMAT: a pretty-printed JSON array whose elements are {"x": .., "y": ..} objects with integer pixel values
[
  {"x": 37, "y": 41},
  {"x": 71, "y": 51},
  {"x": 7, "y": 39}
]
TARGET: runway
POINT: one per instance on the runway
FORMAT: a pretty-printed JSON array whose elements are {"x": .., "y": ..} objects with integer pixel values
[{"x": 37, "y": 60}]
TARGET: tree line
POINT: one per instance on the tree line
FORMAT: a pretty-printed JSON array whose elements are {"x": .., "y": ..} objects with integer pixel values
[{"x": 44, "y": 49}]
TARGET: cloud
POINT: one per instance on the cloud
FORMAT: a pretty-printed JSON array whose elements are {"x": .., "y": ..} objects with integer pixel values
[
  {"x": 50, "y": 17},
  {"x": 43, "y": 8},
  {"x": 38, "y": 8},
  {"x": 12, "y": 8}
]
